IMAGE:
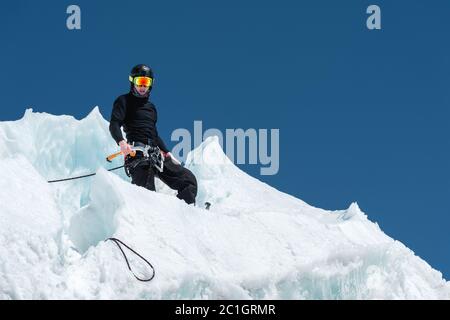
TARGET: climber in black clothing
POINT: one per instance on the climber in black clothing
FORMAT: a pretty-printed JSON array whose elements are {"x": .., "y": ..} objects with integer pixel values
[{"x": 138, "y": 117}]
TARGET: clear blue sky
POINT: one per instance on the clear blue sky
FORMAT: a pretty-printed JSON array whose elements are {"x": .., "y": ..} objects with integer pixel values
[{"x": 363, "y": 115}]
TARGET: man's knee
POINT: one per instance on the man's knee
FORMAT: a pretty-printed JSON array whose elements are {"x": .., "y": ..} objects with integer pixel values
[
  {"x": 188, "y": 194},
  {"x": 188, "y": 191}
]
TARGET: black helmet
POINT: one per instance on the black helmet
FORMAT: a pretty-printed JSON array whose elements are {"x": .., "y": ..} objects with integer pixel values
[{"x": 141, "y": 70}]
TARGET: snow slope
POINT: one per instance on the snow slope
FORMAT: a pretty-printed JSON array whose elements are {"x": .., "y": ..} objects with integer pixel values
[{"x": 256, "y": 243}]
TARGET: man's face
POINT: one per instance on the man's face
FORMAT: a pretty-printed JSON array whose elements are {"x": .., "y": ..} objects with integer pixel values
[{"x": 142, "y": 90}]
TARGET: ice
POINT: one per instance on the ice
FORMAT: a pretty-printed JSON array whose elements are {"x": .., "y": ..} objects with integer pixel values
[{"x": 255, "y": 243}]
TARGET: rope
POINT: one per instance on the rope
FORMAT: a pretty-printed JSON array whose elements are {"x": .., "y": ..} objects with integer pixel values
[
  {"x": 85, "y": 176},
  {"x": 118, "y": 243}
]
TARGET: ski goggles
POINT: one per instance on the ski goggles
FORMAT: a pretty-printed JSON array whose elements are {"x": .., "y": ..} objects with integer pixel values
[{"x": 141, "y": 81}]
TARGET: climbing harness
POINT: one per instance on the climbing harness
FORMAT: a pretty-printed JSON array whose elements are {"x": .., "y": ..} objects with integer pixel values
[{"x": 151, "y": 156}]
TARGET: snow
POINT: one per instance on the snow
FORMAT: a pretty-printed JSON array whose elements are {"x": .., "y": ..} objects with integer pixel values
[{"x": 255, "y": 243}]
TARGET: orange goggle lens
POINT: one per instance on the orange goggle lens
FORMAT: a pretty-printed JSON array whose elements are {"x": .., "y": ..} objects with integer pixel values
[{"x": 142, "y": 81}]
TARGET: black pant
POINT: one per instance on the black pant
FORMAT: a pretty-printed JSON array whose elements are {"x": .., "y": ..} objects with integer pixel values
[{"x": 174, "y": 175}]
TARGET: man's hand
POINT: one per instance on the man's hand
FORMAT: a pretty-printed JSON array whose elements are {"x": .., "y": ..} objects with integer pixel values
[
  {"x": 165, "y": 154},
  {"x": 125, "y": 148},
  {"x": 171, "y": 157}
]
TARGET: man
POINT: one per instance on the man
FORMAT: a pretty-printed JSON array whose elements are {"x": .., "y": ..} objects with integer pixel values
[{"x": 138, "y": 117}]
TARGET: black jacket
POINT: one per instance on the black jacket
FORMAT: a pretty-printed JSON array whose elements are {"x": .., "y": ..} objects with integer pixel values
[{"x": 138, "y": 117}]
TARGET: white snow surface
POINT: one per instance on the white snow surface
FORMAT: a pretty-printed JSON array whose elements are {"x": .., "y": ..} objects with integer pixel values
[{"x": 255, "y": 243}]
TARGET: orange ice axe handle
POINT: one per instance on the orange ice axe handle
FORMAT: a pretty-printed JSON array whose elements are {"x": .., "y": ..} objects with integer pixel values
[{"x": 111, "y": 157}]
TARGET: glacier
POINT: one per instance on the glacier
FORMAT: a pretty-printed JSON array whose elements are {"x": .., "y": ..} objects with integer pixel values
[{"x": 255, "y": 243}]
